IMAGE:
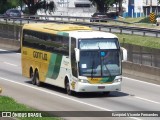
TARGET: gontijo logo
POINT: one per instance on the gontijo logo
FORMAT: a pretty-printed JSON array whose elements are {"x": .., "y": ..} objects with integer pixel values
[{"x": 40, "y": 55}]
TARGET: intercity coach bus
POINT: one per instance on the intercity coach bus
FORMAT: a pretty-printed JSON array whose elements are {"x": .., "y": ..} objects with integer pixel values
[{"x": 73, "y": 57}]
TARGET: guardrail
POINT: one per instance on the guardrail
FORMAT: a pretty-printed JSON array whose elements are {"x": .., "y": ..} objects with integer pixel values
[{"x": 85, "y": 21}]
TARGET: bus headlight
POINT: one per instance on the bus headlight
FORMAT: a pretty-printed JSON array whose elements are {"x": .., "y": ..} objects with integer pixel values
[
  {"x": 118, "y": 80},
  {"x": 83, "y": 80}
]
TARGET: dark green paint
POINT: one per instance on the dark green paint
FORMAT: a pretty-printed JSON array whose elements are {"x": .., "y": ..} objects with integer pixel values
[{"x": 54, "y": 66}]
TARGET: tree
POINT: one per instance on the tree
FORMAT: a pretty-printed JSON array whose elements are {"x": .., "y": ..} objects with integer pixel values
[
  {"x": 8, "y": 4},
  {"x": 104, "y": 5},
  {"x": 41, "y": 4}
]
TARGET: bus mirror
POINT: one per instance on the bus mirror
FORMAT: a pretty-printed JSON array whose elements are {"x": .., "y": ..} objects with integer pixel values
[
  {"x": 123, "y": 54},
  {"x": 77, "y": 54}
]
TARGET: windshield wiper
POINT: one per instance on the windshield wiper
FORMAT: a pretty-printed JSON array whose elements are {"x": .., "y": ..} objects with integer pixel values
[{"x": 110, "y": 76}]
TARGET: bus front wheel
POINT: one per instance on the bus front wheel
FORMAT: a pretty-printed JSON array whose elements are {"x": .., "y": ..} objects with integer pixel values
[
  {"x": 106, "y": 93},
  {"x": 67, "y": 86}
]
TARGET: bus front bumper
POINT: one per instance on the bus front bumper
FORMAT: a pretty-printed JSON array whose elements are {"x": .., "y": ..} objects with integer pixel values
[{"x": 86, "y": 87}]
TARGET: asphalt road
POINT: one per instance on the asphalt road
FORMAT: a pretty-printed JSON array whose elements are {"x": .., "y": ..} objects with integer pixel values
[{"x": 135, "y": 95}]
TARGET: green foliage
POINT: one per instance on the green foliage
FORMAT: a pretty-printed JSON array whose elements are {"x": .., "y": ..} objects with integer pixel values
[
  {"x": 146, "y": 41},
  {"x": 41, "y": 4},
  {"x": 147, "y": 20},
  {"x": 9, "y": 104},
  {"x": 7, "y": 4},
  {"x": 103, "y": 5}
]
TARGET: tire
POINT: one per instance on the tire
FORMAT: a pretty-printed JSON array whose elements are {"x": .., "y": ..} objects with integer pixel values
[
  {"x": 68, "y": 90},
  {"x": 37, "y": 81},
  {"x": 106, "y": 93},
  {"x": 32, "y": 77}
]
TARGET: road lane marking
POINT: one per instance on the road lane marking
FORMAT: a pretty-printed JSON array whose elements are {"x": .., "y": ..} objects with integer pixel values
[
  {"x": 141, "y": 81},
  {"x": 147, "y": 100},
  {"x": 49, "y": 92},
  {"x": 8, "y": 50},
  {"x": 2, "y": 50},
  {"x": 10, "y": 64}
]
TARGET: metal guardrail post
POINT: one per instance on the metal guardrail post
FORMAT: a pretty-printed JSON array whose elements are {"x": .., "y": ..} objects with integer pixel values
[
  {"x": 120, "y": 31},
  {"x": 132, "y": 32},
  {"x": 99, "y": 28},
  {"x": 156, "y": 34},
  {"x": 141, "y": 61},
  {"x": 144, "y": 33},
  {"x": 15, "y": 33},
  {"x": 83, "y": 20},
  {"x": 20, "y": 22}
]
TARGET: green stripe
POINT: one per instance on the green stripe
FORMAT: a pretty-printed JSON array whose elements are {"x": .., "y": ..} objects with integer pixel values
[{"x": 54, "y": 66}]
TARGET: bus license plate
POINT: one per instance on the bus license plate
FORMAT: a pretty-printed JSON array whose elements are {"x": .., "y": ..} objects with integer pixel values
[{"x": 101, "y": 87}]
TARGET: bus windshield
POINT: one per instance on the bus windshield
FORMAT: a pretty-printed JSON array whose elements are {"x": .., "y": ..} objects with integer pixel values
[{"x": 99, "y": 61}]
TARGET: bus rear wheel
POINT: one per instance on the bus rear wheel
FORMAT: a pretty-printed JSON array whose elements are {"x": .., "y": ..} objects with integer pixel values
[{"x": 37, "y": 81}]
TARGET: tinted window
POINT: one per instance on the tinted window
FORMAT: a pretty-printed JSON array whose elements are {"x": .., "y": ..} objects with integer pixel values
[{"x": 46, "y": 42}]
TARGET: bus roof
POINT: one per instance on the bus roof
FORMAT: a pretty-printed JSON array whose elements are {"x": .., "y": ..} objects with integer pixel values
[
  {"x": 72, "y": 30},
  {"x": 55, "y": 27},
  {"x": 90, "y": 34}
]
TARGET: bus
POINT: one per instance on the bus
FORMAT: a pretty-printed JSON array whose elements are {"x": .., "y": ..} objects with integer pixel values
[{"x": 72, "y": 57}]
